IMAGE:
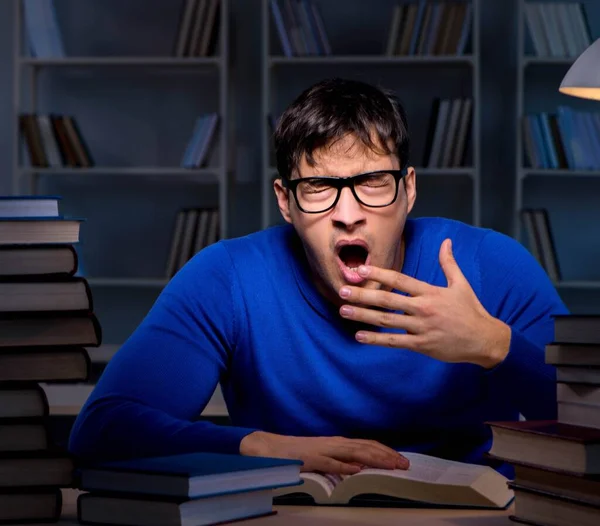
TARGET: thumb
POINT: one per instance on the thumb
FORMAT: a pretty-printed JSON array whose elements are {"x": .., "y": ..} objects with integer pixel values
[{"x": 449, "y": 265}]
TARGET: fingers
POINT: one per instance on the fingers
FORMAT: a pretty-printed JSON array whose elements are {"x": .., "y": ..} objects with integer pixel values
[
  {"x": 367, "y": 454},
  {"x": 390, "y": 339},
  {"x": 381, "y": 319},
  {"x": 385, "y": 449},
  {"x": 378, "y": 298},
  {"x": 327, "y": 464},
  {"x": 395, "y": 280}
]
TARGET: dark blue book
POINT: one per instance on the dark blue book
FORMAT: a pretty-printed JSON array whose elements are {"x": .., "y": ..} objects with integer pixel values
[
  {"x": 191, "y": 475},
  {"x": 143, "y": 510}
]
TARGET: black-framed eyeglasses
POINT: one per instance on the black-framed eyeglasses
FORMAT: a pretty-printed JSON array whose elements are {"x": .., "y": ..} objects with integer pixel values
[{"x": 315, "y": 195}]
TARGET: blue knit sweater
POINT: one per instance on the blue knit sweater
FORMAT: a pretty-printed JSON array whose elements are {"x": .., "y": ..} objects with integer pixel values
[{"x": 244, "y": 313}]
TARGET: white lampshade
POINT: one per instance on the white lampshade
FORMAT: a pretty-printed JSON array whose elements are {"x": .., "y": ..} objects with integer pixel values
[{"x": 583, "y": 78}]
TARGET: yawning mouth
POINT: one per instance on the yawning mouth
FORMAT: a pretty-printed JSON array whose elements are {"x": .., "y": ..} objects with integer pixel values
[{"x": 350, "y": 255}]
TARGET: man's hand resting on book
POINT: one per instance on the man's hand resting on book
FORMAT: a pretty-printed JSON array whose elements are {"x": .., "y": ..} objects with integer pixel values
[
  {"x": 446, "y": 323},
  {"x": 340, "y": 455}
]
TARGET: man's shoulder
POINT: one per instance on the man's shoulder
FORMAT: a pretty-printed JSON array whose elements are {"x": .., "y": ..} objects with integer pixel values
[
  {"x": 250, "y": 253},
  {"x": 468, "y": 241},
  {"x": 443, "y": 227},
  {"x": 258, "y": 250},
  {"x": 262, "y": 242}
]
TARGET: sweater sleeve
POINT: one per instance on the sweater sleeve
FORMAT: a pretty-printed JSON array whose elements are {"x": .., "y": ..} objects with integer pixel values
[
  {"x": 149, "y": 396},
  {"x": 516, "y": 290}
]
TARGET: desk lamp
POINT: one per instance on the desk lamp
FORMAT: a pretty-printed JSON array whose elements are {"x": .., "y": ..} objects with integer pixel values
[{"x": 583, "y": 78}]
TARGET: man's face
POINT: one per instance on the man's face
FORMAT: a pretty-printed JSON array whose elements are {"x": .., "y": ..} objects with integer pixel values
[{"x": 377, "y": 230}]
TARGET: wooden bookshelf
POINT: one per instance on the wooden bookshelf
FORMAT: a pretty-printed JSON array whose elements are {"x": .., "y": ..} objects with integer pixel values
[
  {"x": 85, "y": 62},
  {"x": 462, "y": 60}
]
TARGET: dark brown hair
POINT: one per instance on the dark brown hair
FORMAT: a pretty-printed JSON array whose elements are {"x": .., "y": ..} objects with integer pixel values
[{"x": 330, "y": 110}]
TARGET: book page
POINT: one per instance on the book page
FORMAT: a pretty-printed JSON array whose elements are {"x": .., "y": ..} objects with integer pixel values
[
  {"x": 317, "y": 485},
  {"x": 433, "y": 470}
]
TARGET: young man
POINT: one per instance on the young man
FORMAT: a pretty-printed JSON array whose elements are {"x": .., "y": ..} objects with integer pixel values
[{"x": 344, "y": 336}]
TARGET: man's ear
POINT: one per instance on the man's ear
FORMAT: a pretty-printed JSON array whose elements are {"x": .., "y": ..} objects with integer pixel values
[
  {"x": 410, "y": 187},
  {"x": 283, "y": 199}
]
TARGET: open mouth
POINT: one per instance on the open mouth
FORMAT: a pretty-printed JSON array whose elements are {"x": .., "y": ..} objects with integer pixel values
[{"x": 350, "y": 257}]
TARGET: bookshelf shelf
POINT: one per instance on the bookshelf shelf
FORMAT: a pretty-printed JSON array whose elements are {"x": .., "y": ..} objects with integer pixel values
[
  {"x": 541, "y": 172},
  {"x": 459, "y": 60},
  {"x": 206, "y": 175},
  {"x": 547, "y": 61},
  {"x": 584, "y": 285},
  {"x": 121, "y": 61},
  {"x": 127, "y": 282},
  {"x": 454, "y": 172}
]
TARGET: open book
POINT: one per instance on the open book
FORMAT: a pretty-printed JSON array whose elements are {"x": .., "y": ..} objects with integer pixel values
[{"x": 428, "y": 480}]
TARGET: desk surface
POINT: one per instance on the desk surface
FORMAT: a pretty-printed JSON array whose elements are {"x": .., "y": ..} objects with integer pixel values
[{"x": 336, "y": 516}]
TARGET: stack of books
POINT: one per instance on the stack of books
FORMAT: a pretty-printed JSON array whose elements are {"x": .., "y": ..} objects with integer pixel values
[
  {"x": 189, "y": 489},
  {"x": 557, "y": 462},
  {"x": 45, "y": 320}
]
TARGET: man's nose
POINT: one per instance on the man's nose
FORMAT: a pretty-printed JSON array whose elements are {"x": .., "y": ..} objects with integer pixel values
[{"x": 348, "y": 211}]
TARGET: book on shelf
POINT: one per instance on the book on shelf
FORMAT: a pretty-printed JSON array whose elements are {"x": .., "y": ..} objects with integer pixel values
[
  {"x": 540, "y": 240},
  {"x": 46, "y": 318},
  {"x": 300, "y": 28},
  {"x": 44, "y": 39},
  {"x": 557, "y": 29},
  {"x": 448, "y": 133},
  {"x": 429, "y": 481},
  {"x": 565, "y": 139},
  {"x": 196, "y": 154},
  {"x": 198, "y": 29},
  {"x": 54, "y": 141},
  {"x": 429, "y": 28},
  {"x": 194, "y": 229},
  {"x": 192, "y": 488}
]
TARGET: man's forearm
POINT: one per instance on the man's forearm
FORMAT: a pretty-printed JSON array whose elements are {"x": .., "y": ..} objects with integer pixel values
[{"x": 122, "y": 428}]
